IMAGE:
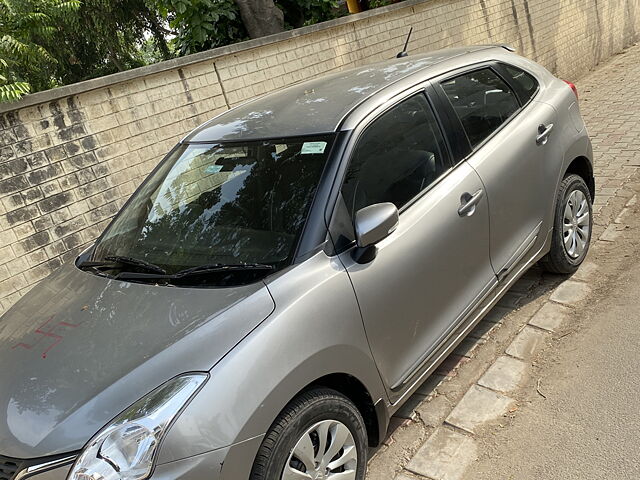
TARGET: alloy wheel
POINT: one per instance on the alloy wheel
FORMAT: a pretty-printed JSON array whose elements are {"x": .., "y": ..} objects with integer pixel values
[
  {"x": 326, "y": 451},
  {"x": 576, "y": 224}
]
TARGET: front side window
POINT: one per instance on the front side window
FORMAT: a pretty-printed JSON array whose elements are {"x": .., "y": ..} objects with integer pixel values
[
  {"x": 482, "y": 101},
  {"x": 400, "y": 154},
  {"x": 224, "y": 204}
]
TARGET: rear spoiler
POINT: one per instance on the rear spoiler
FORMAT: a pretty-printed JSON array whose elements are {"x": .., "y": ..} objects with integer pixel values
[{"x": 501, "y": 45}]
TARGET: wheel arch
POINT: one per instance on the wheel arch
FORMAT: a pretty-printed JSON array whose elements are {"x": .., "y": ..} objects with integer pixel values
[
  {"x": 582, "y": 167},
  {"x": 355, "y": 390}
]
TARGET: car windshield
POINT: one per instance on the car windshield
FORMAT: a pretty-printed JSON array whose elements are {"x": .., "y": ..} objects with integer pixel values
[{"x": 220, "y": 204}]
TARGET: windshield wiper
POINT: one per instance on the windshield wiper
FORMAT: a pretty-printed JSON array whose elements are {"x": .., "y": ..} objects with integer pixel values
[
  {"x": 116, "y": 261},
  {"x": 195, "y": 271},
  {"x": 136, "y": 262},
  {"x": 96, "y": 267},
  {"x": 219, "y": 267}
]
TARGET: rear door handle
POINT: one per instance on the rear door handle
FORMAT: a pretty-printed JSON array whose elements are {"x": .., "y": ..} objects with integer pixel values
[
  {"x": 543, "y": 133},
  {"x": 469, "y": 202}
]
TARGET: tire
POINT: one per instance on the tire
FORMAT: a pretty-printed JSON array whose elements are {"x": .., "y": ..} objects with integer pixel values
[
  {"x": 328, "y": 411},
  {"x": 565, "y": 258}
]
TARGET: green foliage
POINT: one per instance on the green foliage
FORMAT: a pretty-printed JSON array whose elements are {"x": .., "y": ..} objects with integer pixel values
[
  {"x": 26, "y": 26},
  {"x": 311, "y": 11},
  {"x": 202, "y": 24},
  {"x": 48, "y": 43},
  {"x": 323, "y": 10},
  {"x": 107, "y": 36},
  {"x": 381, "y": 3},
  {"x": 10, "y": 90},
  {"x": 149, "y": 53}
]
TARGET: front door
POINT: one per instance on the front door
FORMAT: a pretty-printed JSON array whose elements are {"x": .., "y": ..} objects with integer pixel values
[{"x": 428, "y": 273}]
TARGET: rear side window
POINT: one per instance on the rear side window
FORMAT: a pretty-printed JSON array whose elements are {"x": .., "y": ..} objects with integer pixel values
[
  {"x": 482, "y": 101},
  {"x": 525, "y": 84},
  {"x": 400, "y": 154}
]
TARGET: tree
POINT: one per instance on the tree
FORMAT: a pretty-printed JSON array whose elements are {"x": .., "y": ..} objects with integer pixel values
[
  {"x": 299, "y": 13},
  {"x": 266, "y": 17},
  {"x": 204, "y": 24},
  {"x": 48, "y": 43},
  {"x": 108, "y": 36},
  {"x": 25, "y": 64},
  {"x": 10, "y": 88},
  {"x": 201, "y": 24},
  {"x": 261, "y": 17}
]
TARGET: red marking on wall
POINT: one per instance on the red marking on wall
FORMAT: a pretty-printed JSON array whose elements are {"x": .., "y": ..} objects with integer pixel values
[{"x": 47, "y": 331}]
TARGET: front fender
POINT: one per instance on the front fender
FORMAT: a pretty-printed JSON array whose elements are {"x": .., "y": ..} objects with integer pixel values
[{"x": 315, "y": 330}]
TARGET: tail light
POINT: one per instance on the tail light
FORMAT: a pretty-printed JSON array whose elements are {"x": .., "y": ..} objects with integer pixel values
[{"x": 573, "y": 87}]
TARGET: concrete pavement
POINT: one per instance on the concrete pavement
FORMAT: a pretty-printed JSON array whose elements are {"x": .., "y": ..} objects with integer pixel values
[{"x": 580, "y": 415}]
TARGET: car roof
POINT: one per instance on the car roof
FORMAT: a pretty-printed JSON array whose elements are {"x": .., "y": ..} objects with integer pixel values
[{"x": 317, "y": 106}]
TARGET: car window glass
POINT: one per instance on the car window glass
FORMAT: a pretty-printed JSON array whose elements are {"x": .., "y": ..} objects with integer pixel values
[
  {"x": 482, "y": 101},
  {"x": 526, "y": 85},
  {"x": 400, "y": 154},
  {"x": 245, "y": 202}
]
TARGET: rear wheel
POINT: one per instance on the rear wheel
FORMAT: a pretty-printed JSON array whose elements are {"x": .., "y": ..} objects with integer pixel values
[
  {"x": 320, "y": 435},
  {"x": 572, "y": 227}
]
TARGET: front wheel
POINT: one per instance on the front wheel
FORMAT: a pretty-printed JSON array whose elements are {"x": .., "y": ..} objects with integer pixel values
[
  {"x": 320, "y": 435},
  {"x": 572, "y": 227}
]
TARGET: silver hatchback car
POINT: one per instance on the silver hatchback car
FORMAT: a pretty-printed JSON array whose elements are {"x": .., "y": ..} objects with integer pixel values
[{"x": 293, "y": 271}]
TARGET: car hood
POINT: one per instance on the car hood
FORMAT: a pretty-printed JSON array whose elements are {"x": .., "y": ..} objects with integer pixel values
[{"x": 78, "y": 349}]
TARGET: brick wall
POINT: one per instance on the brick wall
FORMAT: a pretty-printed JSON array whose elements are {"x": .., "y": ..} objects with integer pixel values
[{"x": 70, "y": 157}]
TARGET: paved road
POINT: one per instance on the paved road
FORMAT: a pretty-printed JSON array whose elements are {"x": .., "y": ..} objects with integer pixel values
[{"x": 588, "y": 427}]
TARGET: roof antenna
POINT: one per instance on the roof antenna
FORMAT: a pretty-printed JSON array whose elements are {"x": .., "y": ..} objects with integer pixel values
[{"x": 404, "y": 53}]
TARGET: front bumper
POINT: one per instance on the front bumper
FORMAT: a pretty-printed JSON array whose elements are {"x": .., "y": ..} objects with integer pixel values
[
  {"x": 229, "y": 463},
  {"x": 207, "y": 466}
]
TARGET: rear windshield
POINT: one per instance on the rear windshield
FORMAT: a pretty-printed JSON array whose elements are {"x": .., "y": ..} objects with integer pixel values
[{"x": 219, "y": 204}]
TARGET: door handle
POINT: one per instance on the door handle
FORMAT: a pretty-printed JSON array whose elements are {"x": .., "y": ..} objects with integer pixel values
[
  {"x": 469, "y": 202},
  {"x": 543, "y": 133}
]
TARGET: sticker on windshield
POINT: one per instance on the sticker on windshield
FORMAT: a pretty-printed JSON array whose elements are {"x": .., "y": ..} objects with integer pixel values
[
  {"x": 213, "y": 169},
  {"x": 313, "y": 148}
]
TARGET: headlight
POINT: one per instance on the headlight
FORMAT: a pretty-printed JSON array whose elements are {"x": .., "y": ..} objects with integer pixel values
[{"x": 126, "y": 448}]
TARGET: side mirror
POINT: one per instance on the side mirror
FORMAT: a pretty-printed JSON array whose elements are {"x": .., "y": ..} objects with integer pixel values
[{"x": 373, "y": 224}]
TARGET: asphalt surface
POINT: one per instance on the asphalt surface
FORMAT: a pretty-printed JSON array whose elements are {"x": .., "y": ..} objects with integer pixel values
[{"x": 588, "y": 426}]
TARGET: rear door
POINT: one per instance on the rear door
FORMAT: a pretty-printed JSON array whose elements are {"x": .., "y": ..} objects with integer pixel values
[{"x": 507, "y": 141}]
